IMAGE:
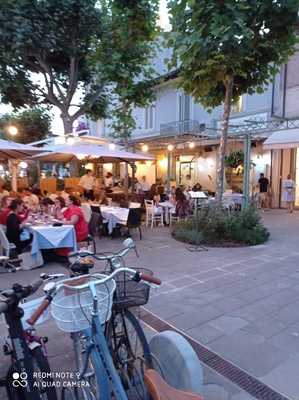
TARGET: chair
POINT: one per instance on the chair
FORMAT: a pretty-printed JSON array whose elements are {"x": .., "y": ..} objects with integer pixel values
[
  {"x": 6, "y": 246},
  {"x": 173, "y": 218},
  {"x": 134, "y": 220},
  {"x": 152, "y": 214}
]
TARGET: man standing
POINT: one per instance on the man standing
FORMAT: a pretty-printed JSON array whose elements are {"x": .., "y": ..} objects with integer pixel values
[
  {"x": 87, "y": 182},
  {"x": 263, "y": 196}
]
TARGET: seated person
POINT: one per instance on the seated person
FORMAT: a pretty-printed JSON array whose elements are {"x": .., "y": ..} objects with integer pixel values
[
  {"x": 31, "y": 200},
  {"x": 74, "y": 216},
  {"x": 101, "y": 198},
  {"x": 59, "y": 207},
  {"x": 197, "y": 187},
  {"x": 163, "y": 196},
  {"x": 182, "y": 205},
  {"x": 46, "y": 206},
  {"x": 14, "y": 227},
  {"x": 5, "y": 210},
  {"x": 153, "y": 194}
]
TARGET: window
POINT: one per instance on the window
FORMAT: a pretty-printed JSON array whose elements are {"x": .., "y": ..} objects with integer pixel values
[
  {"x": 237, "y": 106},
  {"x": 184, "y": 107},
  {"x": 149, "y": 116}
]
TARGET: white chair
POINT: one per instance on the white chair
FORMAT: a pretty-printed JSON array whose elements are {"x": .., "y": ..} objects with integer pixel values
[
  {"x": 5, "y": 245},
  {"x": 153, "y": 214},
  {"x": 173, "y": 217}
]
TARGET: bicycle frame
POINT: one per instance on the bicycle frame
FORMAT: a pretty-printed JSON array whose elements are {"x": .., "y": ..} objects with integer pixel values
[{"x": 97, "y": 349}]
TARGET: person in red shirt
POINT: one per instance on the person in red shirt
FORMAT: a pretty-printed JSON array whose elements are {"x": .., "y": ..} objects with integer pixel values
[
  {"x": 5, "y": 210},
  {"x": 74, "y": 216}
]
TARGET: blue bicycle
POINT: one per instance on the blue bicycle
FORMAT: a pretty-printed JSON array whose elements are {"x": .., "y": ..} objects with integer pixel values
[{"x": 83, "y": 305}]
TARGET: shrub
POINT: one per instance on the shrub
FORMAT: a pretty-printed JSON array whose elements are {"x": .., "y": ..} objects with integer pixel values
[{"x": 218, "y": 226}]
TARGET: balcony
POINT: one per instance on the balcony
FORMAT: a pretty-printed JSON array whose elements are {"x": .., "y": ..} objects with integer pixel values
[{"x": 186, "y": 127}]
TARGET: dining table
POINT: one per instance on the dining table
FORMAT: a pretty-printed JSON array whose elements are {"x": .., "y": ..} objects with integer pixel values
[
  {"x": 112, "y": 215},
  {"x": 49, "y": 235}
]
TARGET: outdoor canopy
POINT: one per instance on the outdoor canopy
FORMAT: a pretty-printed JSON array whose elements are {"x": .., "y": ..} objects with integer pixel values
[
  {"x": 286, "y": 139},
  {"x": 12, "y": 150},
  {"x": 67, "y": 152}
]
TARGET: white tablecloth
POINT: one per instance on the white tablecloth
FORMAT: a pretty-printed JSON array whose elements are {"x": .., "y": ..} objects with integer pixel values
[
  {"x": 52, "y": 237},
  {"x": 111, "y": 215}
]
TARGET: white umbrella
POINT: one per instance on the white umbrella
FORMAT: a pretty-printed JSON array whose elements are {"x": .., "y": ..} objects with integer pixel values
[
  {"x": 15, "y": 151},
  {"x": 12, "y": 150},
  {"x": 66, "y": 153}
]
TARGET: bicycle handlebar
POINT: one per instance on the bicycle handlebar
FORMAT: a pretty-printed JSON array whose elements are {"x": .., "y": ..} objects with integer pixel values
[{"x": 18, "y": 293}]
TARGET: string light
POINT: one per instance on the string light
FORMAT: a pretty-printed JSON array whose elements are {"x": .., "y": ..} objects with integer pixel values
[
  {"x": 191, "y": 145},
  {"x": 170, "y": 147},
  {"x": 144, "y": 148}
]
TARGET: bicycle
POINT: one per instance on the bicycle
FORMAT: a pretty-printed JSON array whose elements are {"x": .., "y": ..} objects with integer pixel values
[
  {"x": 127, "y": 342},
  {"x": 84, "y": 304},
  {"x": 27, "y": 351}
]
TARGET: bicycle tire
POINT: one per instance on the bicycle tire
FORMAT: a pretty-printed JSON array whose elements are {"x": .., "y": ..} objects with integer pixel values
[
  {"x": 131, "y": 373},
  {"x": 40, "y": 362}
]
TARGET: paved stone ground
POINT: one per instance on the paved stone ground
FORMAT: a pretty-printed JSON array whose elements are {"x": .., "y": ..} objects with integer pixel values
[{"x": 241, "y": 303}]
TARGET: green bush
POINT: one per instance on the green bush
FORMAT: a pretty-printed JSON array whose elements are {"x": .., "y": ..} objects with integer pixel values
[{"x": 218, "y": 226}]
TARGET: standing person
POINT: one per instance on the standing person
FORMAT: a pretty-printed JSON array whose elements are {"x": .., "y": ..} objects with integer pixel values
[
  {"x": 263, "y": 186},
  {"x": 87, "y": 182},
  {"x": 108, "y": 180},
  {"x": 144, "y": 186},
  {"x": 289, "y": 193}
]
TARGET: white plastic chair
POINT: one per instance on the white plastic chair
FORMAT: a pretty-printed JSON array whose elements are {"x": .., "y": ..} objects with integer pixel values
[
  {"x": 6, "y": 246},
  {"x": 153, "y": 214}
]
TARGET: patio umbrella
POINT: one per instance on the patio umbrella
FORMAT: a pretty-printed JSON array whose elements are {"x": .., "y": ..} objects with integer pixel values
[
  {"x": 12, "y": 150},
  {"x": 15, "y": 151},
  {"x": 66, "y": 153}
]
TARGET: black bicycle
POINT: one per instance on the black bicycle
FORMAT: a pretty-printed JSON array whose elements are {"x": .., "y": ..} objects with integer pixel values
[{"x": 23, "y": 379}]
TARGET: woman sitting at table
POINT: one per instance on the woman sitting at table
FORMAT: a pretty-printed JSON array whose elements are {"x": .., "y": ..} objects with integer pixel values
[
  {"x": 153, "y": 194},
  {"x": 5, "y": 210},
  {"x": 59, "y": 207},
  {"x": 182, "y": 205},
  {"x": 14, "y": 227},
  {"x": 74, "y": 216},
  {"x": 101, "y": 198},
  {"x": 46, "y": 206},
  {"x": 161, "y": 193}
]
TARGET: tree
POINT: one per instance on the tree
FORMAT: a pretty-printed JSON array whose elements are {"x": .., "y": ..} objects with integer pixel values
[
  {"x": 45, "y": 47},
  {"x": 129, "y": 47},
  {"x": 230, "y": 47},
  {"x": 32, "y": 124}
]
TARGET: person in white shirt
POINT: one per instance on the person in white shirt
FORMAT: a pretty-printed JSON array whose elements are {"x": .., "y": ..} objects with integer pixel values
[
  {"x": 144, "y": 186},
  {"x": 87, "y": 182},
  {"x": 108, "y": 180}
]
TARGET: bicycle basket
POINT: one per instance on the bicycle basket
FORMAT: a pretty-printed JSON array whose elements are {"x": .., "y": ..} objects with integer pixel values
[
  {"x": 72, "y": 305},
  {"x": 129, "y": 293}
]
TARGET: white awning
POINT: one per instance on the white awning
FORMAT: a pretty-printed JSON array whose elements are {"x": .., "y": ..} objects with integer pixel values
[{"x": 287, "y": 139}]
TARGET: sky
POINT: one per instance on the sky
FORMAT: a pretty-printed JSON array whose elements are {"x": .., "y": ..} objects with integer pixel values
[{"x": 57, "y": 126}]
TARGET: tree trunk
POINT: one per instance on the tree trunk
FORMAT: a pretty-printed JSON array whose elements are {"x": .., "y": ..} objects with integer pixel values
[
  {"x": 67, "y": 124},
  {"x": 223, "y": 139}
]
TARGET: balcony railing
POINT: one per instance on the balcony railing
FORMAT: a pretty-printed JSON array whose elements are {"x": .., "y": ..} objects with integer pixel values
[{"x": 185, "y": 127}]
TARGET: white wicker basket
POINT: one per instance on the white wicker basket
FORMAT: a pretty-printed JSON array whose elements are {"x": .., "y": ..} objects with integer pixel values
[{"x": 72, "y": 305}]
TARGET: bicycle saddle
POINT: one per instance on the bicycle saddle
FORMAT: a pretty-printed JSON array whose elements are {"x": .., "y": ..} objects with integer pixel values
[{"x": 160, "y": 390}]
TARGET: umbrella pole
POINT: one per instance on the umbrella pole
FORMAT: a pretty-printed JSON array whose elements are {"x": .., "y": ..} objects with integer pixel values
[{"x": 13, "y": 166}]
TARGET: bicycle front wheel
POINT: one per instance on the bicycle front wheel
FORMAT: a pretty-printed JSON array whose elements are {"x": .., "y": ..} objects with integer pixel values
[{"x": 130, "y": 351}]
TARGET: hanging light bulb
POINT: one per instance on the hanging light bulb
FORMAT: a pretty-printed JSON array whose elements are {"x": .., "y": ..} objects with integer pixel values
[
  {"x": 144, "y": 148},
  {"x": 191, "y": 145},
  {"x": 170, "y": 147}
]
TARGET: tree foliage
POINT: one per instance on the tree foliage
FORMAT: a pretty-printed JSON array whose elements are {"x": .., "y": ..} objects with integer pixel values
[
  {"x": 44, "y": 51},
  {"x": 68, "y": 53},
  {"x": 229, "y": 47},
  {"x": 32, "y": 124},
  {"x": 129, "y": 48}
]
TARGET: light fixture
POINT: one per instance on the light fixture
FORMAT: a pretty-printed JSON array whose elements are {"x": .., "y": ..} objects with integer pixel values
[
  {"x": 170, "y": 147},
  {"x": 111, "y": 146},
  {"x": 70, "y": 140},
  {"x": 80, "y": 156},
  {"x": 23, "y": 164},
  {"x": 12, "y": 130},
  {"x": 144, "y": 148},
  {"x": 163, "y": 163},
  {"x": 191, "y": 145}
]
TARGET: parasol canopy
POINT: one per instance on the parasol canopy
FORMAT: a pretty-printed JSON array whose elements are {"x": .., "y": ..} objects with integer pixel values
[
  {"x": 12, "y": 150},
  {"x": 67, "y": 152}
]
